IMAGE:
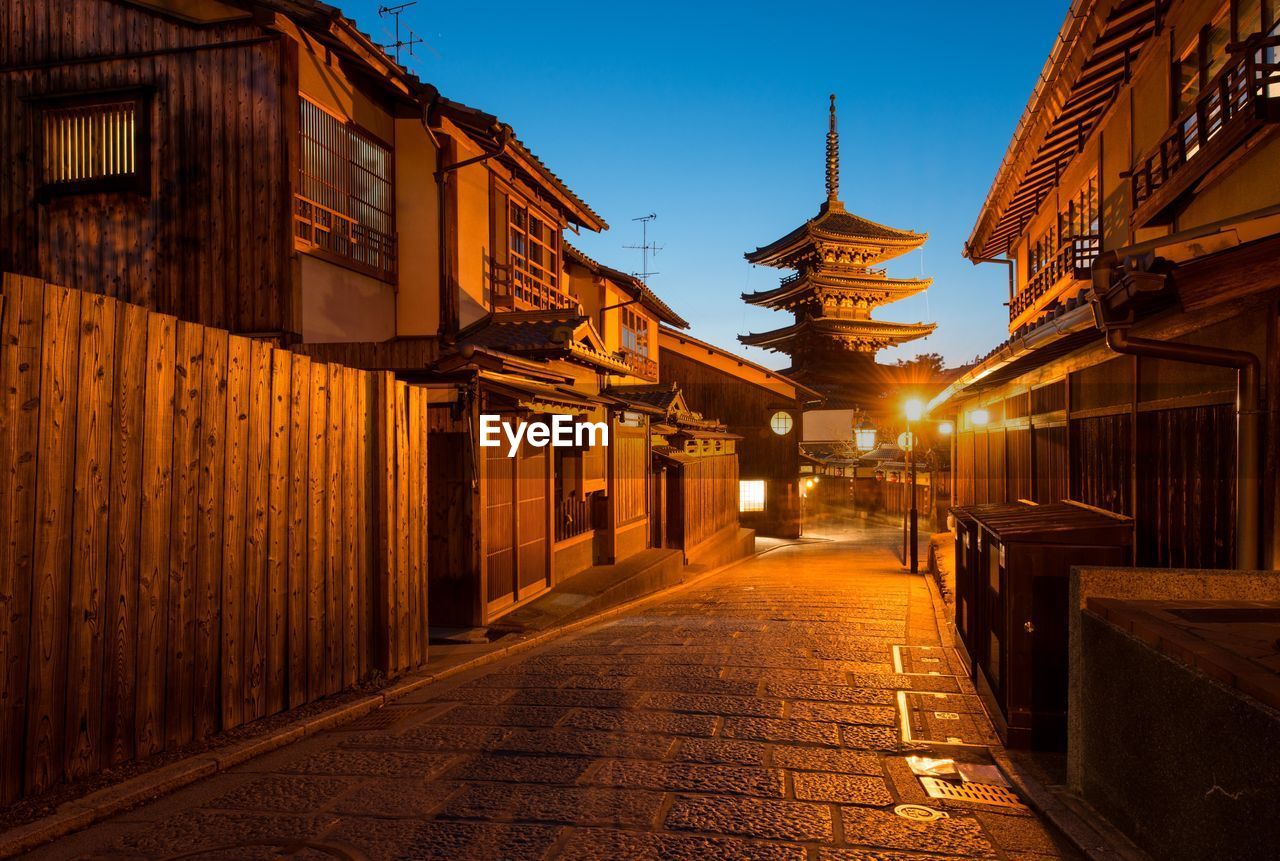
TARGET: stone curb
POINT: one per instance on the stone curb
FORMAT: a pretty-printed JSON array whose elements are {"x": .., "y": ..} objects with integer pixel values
[{"x": 106, "y": 802}]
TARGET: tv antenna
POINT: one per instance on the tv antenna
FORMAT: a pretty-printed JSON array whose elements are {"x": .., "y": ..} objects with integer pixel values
[
  {"x": 646, "y": 248},
  {"x": 411, "y": 38}
]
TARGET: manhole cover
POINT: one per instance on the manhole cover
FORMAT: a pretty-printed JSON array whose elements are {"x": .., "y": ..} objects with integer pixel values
[
  {"x": 918, "y": 812},
  {"x": 380, "y": 719},
  {"x": 978, "y": 793}
]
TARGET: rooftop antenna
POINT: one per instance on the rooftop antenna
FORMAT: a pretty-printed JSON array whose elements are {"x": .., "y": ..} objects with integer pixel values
[
  {"x": 645, "y": 247},
  {"x": 411, "y": 39}
]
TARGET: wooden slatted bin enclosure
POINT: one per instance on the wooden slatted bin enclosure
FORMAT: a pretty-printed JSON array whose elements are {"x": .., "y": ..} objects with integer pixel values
[
  {"x": 1023, "y": 559},
  {"x": 197, "y": 530}
]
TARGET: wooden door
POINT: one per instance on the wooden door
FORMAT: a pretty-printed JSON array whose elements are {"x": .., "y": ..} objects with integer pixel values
[
  {"x": 532, "y": 522},
  {"x": 500, "y": 557}
]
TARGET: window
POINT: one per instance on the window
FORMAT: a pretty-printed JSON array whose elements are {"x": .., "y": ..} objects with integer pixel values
[
  {"x": 533, "y": 248},
  {"x": 751, "y": 495},
  {"x": 93, "y": 145},
  {"x": 344, "y": 206},
  {"x": 635, "y": 331},
  {"x": 781, "y": 423}
]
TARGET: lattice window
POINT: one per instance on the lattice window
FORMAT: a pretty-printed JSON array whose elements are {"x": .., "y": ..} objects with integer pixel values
[
  {"x": 93, "y": 145},
  {"x": 635, "y": 331},
  {"x": 534, "y": 258},
  {"x": 345, "y": 204}
]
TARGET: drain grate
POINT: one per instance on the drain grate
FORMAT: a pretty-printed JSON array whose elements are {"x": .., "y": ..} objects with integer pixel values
[
  {"x": 978, "y": 793},
  {"x": 919, "y": 813}
]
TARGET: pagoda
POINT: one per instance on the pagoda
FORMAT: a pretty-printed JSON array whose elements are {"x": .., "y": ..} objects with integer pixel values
[{"x": 834, "y": 340}]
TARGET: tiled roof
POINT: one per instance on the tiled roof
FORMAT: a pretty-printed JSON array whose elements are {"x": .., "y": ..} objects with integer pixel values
[
  {"x": 632, "y": 284},
  {"x": 549, "y": 334},
  {"x": 659, "y": 395},
  {"x": 834, "y": 223}
]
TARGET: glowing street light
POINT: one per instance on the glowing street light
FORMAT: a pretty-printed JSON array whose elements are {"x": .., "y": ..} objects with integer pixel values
[
  {"x": 945, "y": 428},
  {"x": 914, "y": 409}
]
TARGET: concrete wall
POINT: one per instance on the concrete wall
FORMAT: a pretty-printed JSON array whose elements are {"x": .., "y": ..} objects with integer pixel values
[
  {"x": 1169, "y": 584},
  {"x": 1183, "y": 765}
]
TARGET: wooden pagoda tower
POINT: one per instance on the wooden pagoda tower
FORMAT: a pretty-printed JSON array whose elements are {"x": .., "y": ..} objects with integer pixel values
[{"x": 834, "y": 340}]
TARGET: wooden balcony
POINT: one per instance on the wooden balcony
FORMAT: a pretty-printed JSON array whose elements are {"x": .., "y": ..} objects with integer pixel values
[
  {"x": 332, "y": 235},
  {"x": 515, "y": 291},
  {"x": 640, "y": 365},
  {"x": 1069, "y": 266},
  {"x": 1243, "y": 97}
]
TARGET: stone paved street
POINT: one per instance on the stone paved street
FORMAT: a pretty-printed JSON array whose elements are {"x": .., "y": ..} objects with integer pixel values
[{"x": 752, "y": 716}]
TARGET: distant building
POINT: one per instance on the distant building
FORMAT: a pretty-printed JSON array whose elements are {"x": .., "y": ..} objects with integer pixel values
[
  {"x": 764, "y": 408},
  {"x": 834, "y": 339}
]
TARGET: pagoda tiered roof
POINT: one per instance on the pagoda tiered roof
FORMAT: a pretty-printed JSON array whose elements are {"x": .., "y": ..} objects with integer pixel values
[
  {"x": 871, "y": 286},
  {"x": 864, "y": 336},
  {"x": 837, "y": 237}
]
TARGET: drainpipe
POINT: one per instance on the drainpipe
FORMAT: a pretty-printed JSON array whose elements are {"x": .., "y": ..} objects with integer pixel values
[
  {"x": 448, "y": 322},
  {"x": 1107, "y": 270}
]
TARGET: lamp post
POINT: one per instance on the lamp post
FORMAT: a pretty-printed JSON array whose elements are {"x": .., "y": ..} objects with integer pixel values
[{"x": 914, "y": 412}]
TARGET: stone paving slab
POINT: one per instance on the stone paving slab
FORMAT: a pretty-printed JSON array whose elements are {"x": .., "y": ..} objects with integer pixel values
[{"x": 751, "y": 716}]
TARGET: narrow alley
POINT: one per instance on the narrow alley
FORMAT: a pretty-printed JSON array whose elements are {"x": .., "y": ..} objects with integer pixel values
[{"x": 755, "y": 714}]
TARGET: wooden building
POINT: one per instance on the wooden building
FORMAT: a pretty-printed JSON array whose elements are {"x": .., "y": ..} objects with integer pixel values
[
  {"x": 262, "y": 166},
  {"x": 1138, "y": 208},
  {"x": 764, "y": 408}
]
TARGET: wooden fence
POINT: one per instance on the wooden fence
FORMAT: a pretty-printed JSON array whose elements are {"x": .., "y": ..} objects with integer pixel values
[
  {"x": 709, "y": 497},
  {"x": 196, "y": 530}
]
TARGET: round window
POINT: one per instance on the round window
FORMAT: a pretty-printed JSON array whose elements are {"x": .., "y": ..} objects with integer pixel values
[{"x": 781, "y": 423}]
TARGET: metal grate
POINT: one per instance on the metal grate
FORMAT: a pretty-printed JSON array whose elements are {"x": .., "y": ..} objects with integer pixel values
[{"x": 978, "y": 793}]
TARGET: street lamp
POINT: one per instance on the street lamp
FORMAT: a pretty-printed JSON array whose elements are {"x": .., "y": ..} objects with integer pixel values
[{"x": 914, "y": 410}]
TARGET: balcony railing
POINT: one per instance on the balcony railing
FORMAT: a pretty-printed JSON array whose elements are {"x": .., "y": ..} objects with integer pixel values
[
  {"x": 319, "y": 227},
  {"x": 640, "y": 364},
  {"x": 515, "y": 291},
  {"x": 1243, "y": 96},
  {"x": 1071, "y": 262},
  {"x": 573, "y": 517}
]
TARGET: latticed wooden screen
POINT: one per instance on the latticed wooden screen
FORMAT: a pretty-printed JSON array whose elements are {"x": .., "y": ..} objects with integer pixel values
[
  {"x": 345, "y": 203},
  {"x": 90, "y": 142}
]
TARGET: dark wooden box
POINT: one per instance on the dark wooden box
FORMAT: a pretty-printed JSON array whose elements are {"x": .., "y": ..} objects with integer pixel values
[{"x": 1022, "y": 557}]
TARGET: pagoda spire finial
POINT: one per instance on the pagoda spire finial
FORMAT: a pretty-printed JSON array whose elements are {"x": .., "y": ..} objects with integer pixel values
[{"x": 833, "y": 157}]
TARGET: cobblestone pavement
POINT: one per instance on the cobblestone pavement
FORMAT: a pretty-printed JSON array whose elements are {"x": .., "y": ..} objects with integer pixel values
[{"x": 752, "y": 716}]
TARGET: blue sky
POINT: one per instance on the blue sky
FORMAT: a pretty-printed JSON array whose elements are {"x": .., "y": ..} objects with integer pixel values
[{"x": 713, "y": 115}]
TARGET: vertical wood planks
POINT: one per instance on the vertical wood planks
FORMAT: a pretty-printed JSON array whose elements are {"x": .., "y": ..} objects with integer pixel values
[
  {"x": 153, "y": 571},
  {"x": 278, "y": 533},
  {"x": 125, "y": 527},
  {"x": 334, "y": 590},
  {"x": 317, "y": 487},
  {"x": 299, "y": 496},
  {"x": 50, "y": 583},
  {"x": 197, "y": 530},
  {"x": 20, "y": 346},
  {"x": 383, "y": 599},
  {"x": 90, "y": 549},
  {"x": 350, "y": 589},
  {"x": 404, "y": 561},
  {"x": 209, "y": 571},
  {"x": 188, "y": 384},
  {"x": 234, "y": 531},
  {"x": 255, "y": 567}
]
